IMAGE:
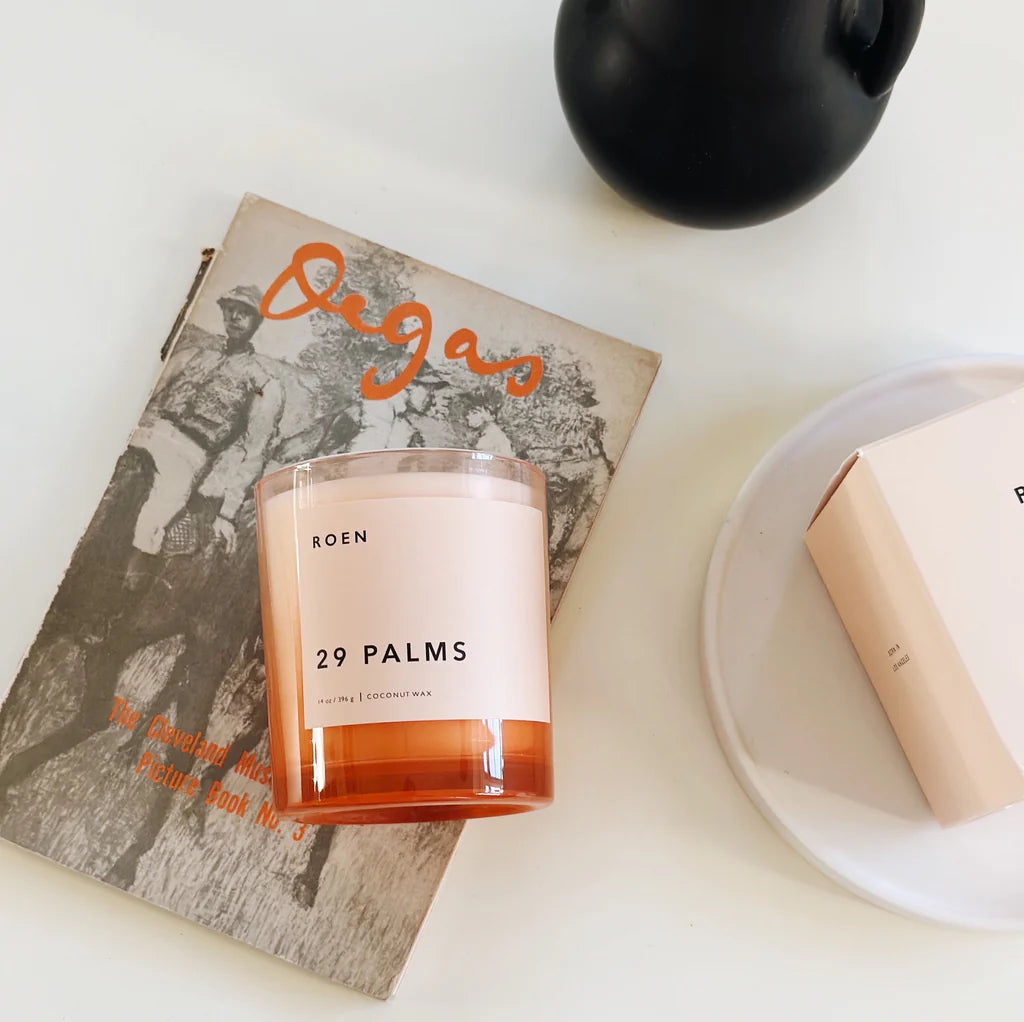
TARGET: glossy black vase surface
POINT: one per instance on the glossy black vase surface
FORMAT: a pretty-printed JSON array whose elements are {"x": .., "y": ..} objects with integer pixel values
[{"x": 726, "y": 113}]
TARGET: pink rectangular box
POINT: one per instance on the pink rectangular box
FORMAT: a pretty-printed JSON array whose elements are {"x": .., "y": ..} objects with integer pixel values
[{"x": 920, "y": 542}]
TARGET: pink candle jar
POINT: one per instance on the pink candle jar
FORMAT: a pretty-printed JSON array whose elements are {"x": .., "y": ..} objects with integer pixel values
[{"x": 405, "y": 623}]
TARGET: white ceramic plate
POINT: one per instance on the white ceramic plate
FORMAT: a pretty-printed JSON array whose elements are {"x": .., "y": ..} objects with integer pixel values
[{"x": 794, "y": 711}]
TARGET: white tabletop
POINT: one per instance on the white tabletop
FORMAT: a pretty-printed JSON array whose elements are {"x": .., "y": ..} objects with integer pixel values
[{"x": 129, "y": 132}]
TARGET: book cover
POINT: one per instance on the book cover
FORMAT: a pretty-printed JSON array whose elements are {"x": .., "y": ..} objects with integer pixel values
[{"x": 133, "y": 741}]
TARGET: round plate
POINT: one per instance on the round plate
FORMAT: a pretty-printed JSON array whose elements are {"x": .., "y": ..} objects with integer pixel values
[{"x": 795, "y": 712}]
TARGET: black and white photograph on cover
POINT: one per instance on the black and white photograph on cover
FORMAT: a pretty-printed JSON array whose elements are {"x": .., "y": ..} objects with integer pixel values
[{"x": 133, "y": 742}]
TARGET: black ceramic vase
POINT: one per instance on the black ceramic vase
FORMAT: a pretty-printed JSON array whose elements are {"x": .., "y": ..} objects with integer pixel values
[{"x": 726, "y": 113}]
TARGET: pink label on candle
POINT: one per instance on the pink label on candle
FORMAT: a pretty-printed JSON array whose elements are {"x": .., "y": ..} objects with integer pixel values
[{"x": 422, "y": 608}]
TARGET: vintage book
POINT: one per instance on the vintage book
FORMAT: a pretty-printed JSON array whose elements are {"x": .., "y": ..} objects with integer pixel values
[{"x": 133, "y": 742}]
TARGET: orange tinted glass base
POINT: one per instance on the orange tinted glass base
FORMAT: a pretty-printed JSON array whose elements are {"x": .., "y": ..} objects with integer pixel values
[{"x": 414, "y": 772}]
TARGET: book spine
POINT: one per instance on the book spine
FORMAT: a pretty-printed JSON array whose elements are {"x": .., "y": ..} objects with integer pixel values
[{"x": 205, "y": 262}]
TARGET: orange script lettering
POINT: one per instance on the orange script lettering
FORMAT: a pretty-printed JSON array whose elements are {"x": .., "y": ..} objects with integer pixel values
[{"x": 461, "y": 345}]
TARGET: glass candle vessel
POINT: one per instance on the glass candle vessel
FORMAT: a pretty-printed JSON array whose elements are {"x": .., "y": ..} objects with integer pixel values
[{"x": 405, "y": 622}]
